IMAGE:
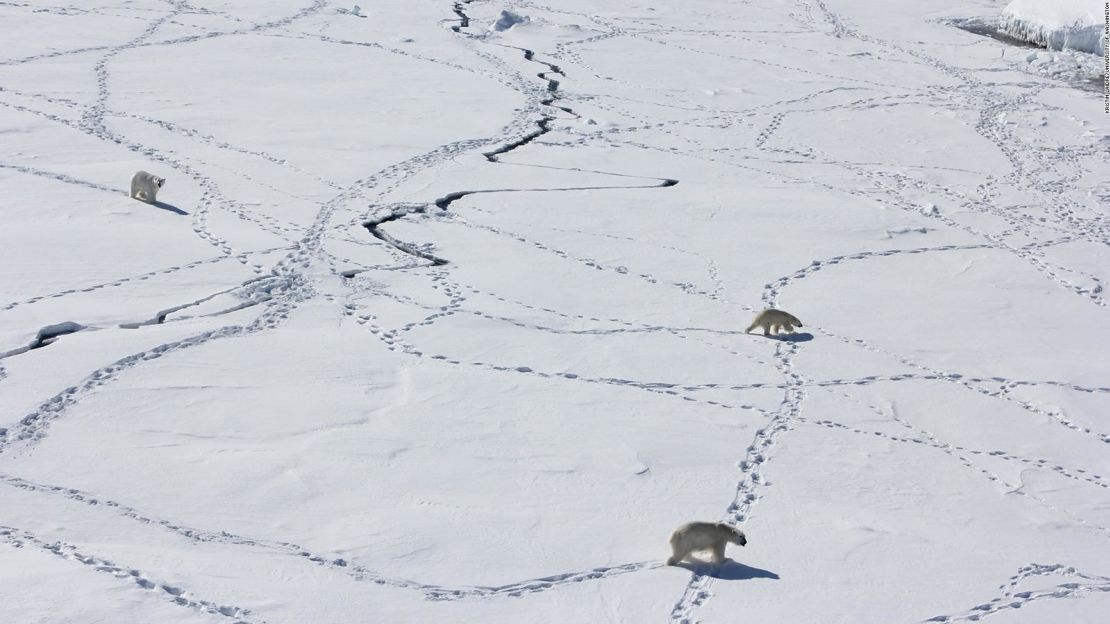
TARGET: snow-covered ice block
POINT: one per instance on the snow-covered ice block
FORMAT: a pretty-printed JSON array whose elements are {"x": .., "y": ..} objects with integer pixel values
[
  {"x": 1059, "y": 24},
  {"x": 509, "y": 19}
]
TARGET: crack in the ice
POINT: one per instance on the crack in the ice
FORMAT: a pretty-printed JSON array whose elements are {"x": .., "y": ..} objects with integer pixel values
[
  {"x": 45, "y": 336},
  {"x": 373, "y": 226},
  {"x": 464, "y": 19},
  {"x": 254, "y": 291},
  {"x": 544, "y": 126},
  {"x": 444, "y": 202}
]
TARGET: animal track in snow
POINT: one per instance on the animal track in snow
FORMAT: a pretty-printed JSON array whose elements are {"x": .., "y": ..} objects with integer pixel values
[
  {"x": 1012, "y": 599},
  {"x": 172, "y": 593},
  {"x": 344, "y": 566}
]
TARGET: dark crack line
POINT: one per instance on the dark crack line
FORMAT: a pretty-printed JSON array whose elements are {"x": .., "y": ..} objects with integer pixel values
[
  {"x": 444, "y": 202},
  {"x": 258, "y": 290},
  {"x": 372, "y": 226},
  {"x": 46, "y": 336},
  {"x": 544, "y": 123},
  {"x": 543, "y": 127},
  {"x": 464, "y": 19}
]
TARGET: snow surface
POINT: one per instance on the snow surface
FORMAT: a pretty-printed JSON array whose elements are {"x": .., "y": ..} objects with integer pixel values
[
  {"x": 1057, "y": 24},
  {"x": 423, "y": 329}
]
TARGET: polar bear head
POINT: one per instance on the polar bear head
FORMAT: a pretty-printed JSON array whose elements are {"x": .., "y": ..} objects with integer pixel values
[{"x": 735, "y": 535}]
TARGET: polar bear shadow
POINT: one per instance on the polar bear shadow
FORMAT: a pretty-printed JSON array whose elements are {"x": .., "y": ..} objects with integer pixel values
[
  {"x": 798, "y": 337},
  {"x": 168, "y": 207},
  {"x": 728, "y": 570}
]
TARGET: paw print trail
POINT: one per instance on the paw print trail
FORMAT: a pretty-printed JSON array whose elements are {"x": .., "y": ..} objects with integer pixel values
[
  {"x": 33, "y": 427},
  {"x": 699, "y": 589},
  {"x": 1013, "y": 599},
  {"x": 346, "y": 567},
  {"x": 172, "y": 593}
]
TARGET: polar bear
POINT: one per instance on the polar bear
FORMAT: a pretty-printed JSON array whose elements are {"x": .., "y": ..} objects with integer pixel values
[
  {"x": 711, "y": 536},
  {"x": 770, "y": 318},
  {"x": 144, "y": 186}
]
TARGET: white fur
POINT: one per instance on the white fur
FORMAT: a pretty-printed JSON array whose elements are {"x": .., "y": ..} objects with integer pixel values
[
  {"x": 697, "y": 536},
  {"x": 770, "y": 319},
  {"x": 144, "y": 186}
]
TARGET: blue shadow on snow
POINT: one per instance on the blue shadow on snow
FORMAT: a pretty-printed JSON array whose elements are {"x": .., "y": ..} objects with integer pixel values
[{"x": 729, "y": 570}]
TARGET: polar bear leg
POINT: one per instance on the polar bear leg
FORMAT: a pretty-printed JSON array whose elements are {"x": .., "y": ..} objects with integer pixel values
[
  {"x": 679, "y": 555},
  {"x": 718, "y": 553}
]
